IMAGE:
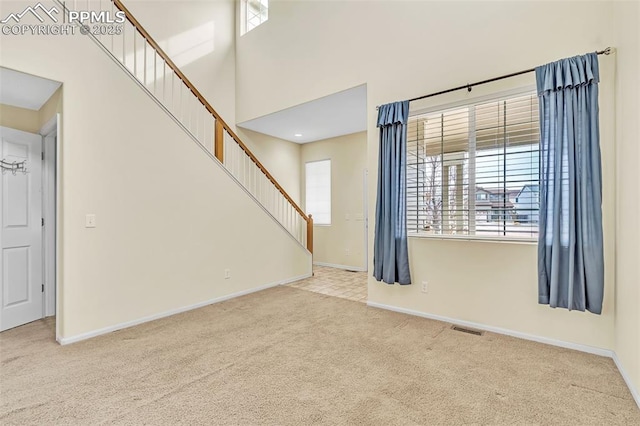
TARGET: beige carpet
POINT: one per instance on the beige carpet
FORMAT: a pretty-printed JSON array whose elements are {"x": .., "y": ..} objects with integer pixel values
[{"x": 288, "y": 356}]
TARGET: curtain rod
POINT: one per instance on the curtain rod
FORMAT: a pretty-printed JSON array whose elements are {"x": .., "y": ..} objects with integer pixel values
[{"x": 606, "y": 51}]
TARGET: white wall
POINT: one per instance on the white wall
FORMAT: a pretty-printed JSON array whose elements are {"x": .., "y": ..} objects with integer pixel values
[
  {"x": 627, "y": 318},
  {"x": 343, "y": 242},
  {"x": 166, "y": 229},
  {"x": 406, "y": 49}
]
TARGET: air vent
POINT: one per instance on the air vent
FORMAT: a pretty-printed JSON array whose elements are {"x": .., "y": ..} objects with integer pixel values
[{"x": 467, "y": 330}]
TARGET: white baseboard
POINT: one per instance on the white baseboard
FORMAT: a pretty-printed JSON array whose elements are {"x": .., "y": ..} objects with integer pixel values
[
  {"x": 127, "y": 324},
  {"x": 582, "y": 348},
  {"x": 345, "y": 267},
  {"x": 627, "y": 380}
]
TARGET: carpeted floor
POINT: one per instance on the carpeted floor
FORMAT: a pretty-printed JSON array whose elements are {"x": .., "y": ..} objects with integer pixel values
[{"x": 289, "y": 356}]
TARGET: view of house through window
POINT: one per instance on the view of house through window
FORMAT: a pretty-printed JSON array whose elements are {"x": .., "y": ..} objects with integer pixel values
[
  {"x": 318, "y": 191},
  {"x": 474, "y": 170},
  {"x": 254, "y": 13}
]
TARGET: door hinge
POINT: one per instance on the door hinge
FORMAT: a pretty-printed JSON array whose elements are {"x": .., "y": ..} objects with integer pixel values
[
  {"x": 42, "y": 221},
  {"x": 43, "y": 288}
]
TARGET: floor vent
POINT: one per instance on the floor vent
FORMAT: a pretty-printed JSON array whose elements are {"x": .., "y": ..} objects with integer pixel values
[{"x": 467, "y": 330}]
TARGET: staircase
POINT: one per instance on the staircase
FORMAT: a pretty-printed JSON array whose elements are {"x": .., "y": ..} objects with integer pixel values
[{"x": 138, "y": 54}]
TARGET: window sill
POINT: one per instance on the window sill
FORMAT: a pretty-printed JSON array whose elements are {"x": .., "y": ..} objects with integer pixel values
[{"x": 472, "y": 238}]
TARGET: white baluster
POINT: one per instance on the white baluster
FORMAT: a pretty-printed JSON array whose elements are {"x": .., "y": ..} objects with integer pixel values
[
  {"x": 113, "y": 12},
  {"x": 155, "y": 74},
  {"x": 135, "y": 54},
  {"x": 199, "y": 120},
  {"x": 144, "y": 75},
  {"x": 124, "y": 46}
]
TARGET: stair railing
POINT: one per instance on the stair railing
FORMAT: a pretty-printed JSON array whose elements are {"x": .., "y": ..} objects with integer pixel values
[{"x": 143, "y": 58}]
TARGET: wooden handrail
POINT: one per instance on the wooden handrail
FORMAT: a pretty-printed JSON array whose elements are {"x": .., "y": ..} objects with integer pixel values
[{"x": 206, "y": 104}]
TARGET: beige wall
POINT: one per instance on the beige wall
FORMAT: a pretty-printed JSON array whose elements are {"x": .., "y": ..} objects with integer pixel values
[
  {"x": 495, "y": 283},
  {"x": 405, "y": 49},
  {"x": 281, "y": 158},
  {"x": 166, "y": 229},
  {"x": 343, "y": 242},
  {"x": 52, "y": 107},
  {"x": 200, "y": 39},
  {"x": 627, "y": 318},
  {"x": 23, "y": 119}
]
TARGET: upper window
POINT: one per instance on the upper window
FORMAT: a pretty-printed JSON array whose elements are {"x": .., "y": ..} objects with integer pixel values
[
  {"x": 318, "y": 191},
  {"x": 254, "y": 13},
  {"x": 474, "y": 170}
]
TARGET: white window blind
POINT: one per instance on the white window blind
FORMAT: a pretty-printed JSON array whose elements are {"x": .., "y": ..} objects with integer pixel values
[
  {"x": 474, "y": 170},
  {"x": 318, "y": 191},
  {"x": 254, "y": 13}
]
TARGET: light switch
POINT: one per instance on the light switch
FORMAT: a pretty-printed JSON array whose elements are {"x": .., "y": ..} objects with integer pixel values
[{"x": 90, "y": 221}]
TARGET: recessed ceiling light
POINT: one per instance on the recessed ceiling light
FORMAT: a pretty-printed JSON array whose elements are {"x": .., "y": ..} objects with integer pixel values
[{"x": 297, "y": 135}]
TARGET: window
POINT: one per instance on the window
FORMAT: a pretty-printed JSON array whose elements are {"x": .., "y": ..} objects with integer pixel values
[
  {"x": 318, "y": 191},
  {"x": 254, "y": 13},
  {"x": 474, "y": 170}
]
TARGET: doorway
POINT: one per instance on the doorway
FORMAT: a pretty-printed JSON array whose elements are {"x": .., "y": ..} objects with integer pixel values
[
  {"x": 28, "y": 232},
  {"x": 28, "y": 197},
  {"x": 21, "y": 269}
]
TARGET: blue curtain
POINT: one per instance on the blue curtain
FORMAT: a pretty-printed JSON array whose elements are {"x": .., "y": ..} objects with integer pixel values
[
  {"x": 390, "y": 252},
  {"x": 570, "y": 252}
]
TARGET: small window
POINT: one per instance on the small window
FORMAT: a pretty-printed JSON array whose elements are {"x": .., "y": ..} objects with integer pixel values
[
  {"x": 254, "y": 13},
  {"x": 318, "y": 191}
]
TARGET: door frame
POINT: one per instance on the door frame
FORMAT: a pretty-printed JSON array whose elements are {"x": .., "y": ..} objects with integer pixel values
[
  {"x": 50, "y": 133},
  {"x": 365, "y": 214}
]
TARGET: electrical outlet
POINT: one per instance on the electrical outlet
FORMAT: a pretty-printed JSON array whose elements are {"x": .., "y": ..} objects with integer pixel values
[
  {"x": 347, "y": 252},
  {"x": 425, "y": 286},
  {"x": 227, "y": 274}
]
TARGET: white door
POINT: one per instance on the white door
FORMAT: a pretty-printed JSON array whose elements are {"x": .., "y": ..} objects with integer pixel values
[{"x": 21, "y": 298}]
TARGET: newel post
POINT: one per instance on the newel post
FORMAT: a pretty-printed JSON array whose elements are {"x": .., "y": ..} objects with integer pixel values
[
  {"x": 218, "y": 149},
  {"x": 310, "y": 234}
]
